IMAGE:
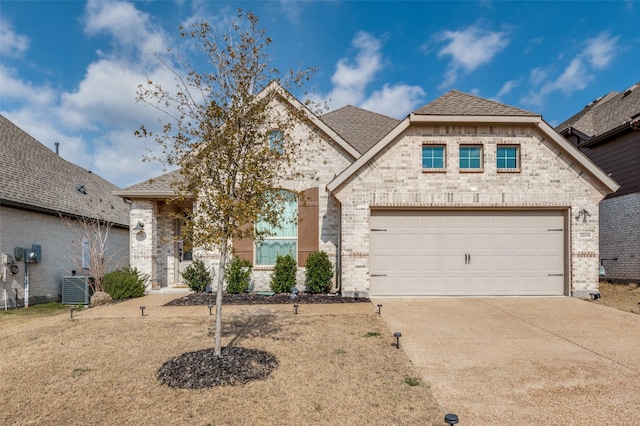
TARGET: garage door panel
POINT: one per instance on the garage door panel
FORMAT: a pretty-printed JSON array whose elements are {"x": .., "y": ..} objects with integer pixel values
[{"x": 426, "y": 253}]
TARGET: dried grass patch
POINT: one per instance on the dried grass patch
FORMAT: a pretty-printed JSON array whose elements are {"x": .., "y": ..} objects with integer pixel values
[
  {"x": 625, "y": 297},
  {"x": 101, "y": 368}
]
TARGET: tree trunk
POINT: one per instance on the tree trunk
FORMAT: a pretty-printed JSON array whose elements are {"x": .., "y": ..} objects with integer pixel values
[{"x": 218, "y": 333}]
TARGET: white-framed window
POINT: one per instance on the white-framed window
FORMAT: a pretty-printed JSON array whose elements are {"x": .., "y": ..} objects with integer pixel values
[
  {"x": 433, "y": 157},
  {"x": 470, "y": 158},
  {"x": 283, "y": 239},
  {"x": 508, "y": 158}
]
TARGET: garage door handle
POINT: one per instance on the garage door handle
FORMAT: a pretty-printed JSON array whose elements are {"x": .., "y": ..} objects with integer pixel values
[
  {"x": 555, "y": 275},
  {"x": 378, "y": 275}
]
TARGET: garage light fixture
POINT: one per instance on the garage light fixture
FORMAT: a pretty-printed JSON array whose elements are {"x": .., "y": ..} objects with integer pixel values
[
  {"x": 583, "y": 214},
  {"x": 139, "y": 226}
]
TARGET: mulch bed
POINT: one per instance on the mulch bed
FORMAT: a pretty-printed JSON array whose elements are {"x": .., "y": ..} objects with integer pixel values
[
  {"x": 197, "y": 299},
  {"x": 236, "y": 365},
  {"x": 202, "y": 369}
]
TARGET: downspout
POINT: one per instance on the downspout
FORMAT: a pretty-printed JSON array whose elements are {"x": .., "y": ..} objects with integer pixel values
[{"x": 339, "y": 251}]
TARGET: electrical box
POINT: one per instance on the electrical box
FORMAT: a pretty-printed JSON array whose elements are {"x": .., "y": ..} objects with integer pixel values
[
  {"x": 18, "y": 253},
  {"x": 7, "y": 259},
  {"x": 29, "y": 256},
  {"x": 37, "y": 249}
]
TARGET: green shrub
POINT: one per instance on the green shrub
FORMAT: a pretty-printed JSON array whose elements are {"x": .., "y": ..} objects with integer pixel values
[
  {"x": 283, "y": 278},
  {"x": 197, "y": 276},
  {"x": 319, "y": 272},
  {"x": 125, "y": 283},
  {"x": 238, "y": 275}
]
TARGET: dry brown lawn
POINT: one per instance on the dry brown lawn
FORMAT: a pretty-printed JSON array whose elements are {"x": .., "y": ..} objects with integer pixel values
[
  {"x": 337, "y": 366},
  {"x": 625, "y": 297}
]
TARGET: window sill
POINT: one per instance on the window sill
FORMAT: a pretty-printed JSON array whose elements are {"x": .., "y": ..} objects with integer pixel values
[
  {"x": 471, "y": 170},
  {"x": 434, "y": 170},
  {"x": 508, "y": 170}
]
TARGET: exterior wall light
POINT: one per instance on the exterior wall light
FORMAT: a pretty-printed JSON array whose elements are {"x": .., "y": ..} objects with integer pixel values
[
  {"x": 584, "y": 214},
  {"x": 602, "y": 272},
  {"x": 139, "y": 227}
]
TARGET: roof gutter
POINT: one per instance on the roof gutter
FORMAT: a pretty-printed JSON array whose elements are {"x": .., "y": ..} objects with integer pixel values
[
  {"x": 631, "y": 124},
  {"x": 50, "y": 212}
]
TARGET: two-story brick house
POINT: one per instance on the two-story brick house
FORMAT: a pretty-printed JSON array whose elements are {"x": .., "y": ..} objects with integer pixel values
[
  {"x": 463, "y": 197},
  {"x": 607, "y": 130}
]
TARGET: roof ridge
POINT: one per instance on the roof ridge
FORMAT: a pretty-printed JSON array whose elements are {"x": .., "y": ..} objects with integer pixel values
[{"x": 455, "y": 102}]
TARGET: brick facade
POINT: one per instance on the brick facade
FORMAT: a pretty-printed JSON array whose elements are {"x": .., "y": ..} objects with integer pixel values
[
  {"x": 156, "y": 254},
  {"x": 546, "y": 180},
  {"x": 620, "y": 237}
]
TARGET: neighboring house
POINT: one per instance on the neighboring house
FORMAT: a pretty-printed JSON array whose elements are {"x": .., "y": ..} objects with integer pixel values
[
  {"x": 39, "y": 192},
  {"x": 464, "y": 197},
  {"x": 608, "y": 132}
]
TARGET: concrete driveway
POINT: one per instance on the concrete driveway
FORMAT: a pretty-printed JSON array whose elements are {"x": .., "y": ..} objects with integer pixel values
[{"x": 525, "y": 361}]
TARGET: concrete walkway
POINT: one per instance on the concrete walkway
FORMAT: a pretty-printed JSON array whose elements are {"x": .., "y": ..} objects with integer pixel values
[{"x": 525, "y": 361}]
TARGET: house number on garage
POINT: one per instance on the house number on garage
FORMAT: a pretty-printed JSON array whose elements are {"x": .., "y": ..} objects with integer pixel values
[{"x": 585, "y": 235}]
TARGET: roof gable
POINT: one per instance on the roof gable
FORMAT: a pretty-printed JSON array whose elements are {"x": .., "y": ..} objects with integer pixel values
[
  {"x": 443, "y": 110},
  {"x": 360, "y": 128},
  {"x": 34, "y": 177},
  {"x": 459, "y": 103}
]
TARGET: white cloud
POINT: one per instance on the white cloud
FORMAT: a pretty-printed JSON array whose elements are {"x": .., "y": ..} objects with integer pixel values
[
  {"x": 507, "y": 88},
  {"x": 394, "y": 101},
  {"x": 11, "y": 43},
  {"x": 597, "y": 53},
  {"x": 351, "y": 77},
  {"x": 12, "y": 88},
  {"x": 129, "y": 28},
  {"x": 469, "y": 49}
]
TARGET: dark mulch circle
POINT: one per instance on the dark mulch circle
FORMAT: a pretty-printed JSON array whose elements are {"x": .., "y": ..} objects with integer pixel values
[
  {"x": 202, "y": 369},
  {"x": 256, "y": 299}
]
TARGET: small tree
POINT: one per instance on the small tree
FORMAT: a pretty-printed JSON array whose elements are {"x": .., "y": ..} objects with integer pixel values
[
  {"x": 319, "y": 272},
  {"x": 283, "y": 278},
  {"x": 89, "y": 251},
  {"x": 218, "y": 128},
  {"x": 238, "y": 275}
]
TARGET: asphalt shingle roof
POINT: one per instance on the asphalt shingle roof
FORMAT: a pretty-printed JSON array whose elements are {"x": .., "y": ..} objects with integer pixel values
[
  {"x": 360, "y": 128},
  {"x": 459, "y": 103},
  {"x": 606, "y": 113},
  {"x": 33, "y": 176},
  {"x": 160, "y": 185}
]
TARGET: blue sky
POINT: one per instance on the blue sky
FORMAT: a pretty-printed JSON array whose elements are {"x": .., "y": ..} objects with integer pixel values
[{"x": 69, "y": 69}]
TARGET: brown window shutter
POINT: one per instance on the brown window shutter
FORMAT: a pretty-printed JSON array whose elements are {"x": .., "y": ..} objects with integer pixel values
[
  {"x": 243, "y": 248},
  {"x": 308, "y": 234}
]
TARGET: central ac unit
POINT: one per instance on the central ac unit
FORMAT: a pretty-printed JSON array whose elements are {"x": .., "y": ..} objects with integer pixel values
[{"x": 75, "y": 290}]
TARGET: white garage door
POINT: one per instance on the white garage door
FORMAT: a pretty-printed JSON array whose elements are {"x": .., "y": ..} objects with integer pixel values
[{"x": 467, "y": 253}]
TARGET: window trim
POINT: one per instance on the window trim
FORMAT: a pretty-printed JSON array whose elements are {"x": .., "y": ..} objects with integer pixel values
[
  {"x": 517, "y": 169},
  {"x": 471, "y": 170},
  {"x": 444, "y": 158}
]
